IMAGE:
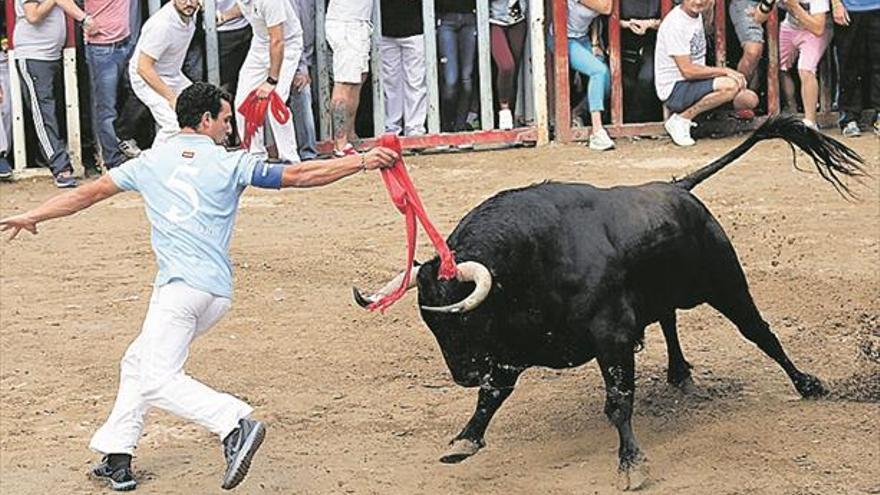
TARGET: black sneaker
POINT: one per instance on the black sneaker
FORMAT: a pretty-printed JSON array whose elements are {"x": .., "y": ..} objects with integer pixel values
[
  {"x": 239, "y": 448},
  {"x": 5, "y": 168},
  {"x": 65, "y": 180},
  {"x": 121, "y": 478}
]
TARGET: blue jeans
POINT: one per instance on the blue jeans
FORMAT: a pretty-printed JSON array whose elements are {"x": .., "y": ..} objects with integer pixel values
[
  {"x": 300, "y": 104},
  {"x": 581, "y": 59},
  {"x": 457, "y": 48},
  {"x": 106, "y": 65}
]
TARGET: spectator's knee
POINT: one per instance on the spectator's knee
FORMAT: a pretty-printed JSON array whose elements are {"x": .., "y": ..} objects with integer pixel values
[
  {"x": 727, "y": 86},
  {"x": 753, "y": 51},
  {"x": 806, "y": 75},
  {"x": 745, "y": 99}
]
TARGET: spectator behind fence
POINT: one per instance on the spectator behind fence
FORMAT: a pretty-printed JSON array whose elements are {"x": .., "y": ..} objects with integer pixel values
[
  {"x": 348, "y": 30},
  {"x": 507, "y": 33},
  {"x": 640, "y": 20},
  {"x": 107, "y": 52},
  {"x": 40, "y": 35},
  {"x": 233, "y": 42},
  {"x": 803, "y": 36},
  {"x": 300, "y": 101},
  {"x": 402, "y": 49},
  {"x": 457, "y": 50},
  {"x": 155, "y": 69},
  {"x": 683, "y": 81},
  {"x": 269, "y": 67},
  {"x": 857, "y": 36},
  {"x": 585, "y": 56},
  {"x": 750, "y": 34},
  {"x": 5, "y": 107}
]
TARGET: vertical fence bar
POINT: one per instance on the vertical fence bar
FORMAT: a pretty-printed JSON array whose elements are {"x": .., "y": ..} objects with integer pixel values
[
  {"x": 484, "y": 59},
  {"x": 212, "y": 48},
  {"x": 71, "y": 102},
  {"x": 560, "y": 70},
  {"x": 539, "y": 70},
  {"x": 432, "y": 78},
  {"x": 616, "y": 66},
  {"x": 322, "y": 57},
  {"x": 376, "y": 58},
  {"x": 18, "y": 141},
  {"x": 773, "y": 63},
  {"x": 825, "y": 81},
  {"x": 720, "y": 34}
]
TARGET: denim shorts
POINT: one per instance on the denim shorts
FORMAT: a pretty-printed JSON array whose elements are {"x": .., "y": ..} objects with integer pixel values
[
  {"x": 686, "y": 93},
  {"x": 747, "y": 29}
]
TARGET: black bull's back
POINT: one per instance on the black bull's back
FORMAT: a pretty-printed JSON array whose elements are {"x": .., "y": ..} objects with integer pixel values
[{"x": 558, "y": 254}]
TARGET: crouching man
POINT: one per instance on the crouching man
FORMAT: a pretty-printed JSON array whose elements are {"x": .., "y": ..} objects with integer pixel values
[
  {"x": 684, "y": 83},
  {"x": 191, "y": 188}
]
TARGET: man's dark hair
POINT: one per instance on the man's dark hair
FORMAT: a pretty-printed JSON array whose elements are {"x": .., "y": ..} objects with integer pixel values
[{"x": 197, "y": 99}]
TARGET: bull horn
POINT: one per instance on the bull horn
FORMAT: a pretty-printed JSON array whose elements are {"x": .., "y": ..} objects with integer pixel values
[
  {"x": 469, "y": 271},
  {"x": 364, "y": 301}
]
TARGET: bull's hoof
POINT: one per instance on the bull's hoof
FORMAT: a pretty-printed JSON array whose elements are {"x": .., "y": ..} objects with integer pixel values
[
  {"x": 685, "y": 385},
  {"x": 634, "y": 476},
  {"x": 460, "y": 450},
  {"x": 810, "y": 387}
]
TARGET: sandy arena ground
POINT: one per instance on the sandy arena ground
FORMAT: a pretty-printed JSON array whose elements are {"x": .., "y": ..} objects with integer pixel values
[{"x": 362, "y": 403}]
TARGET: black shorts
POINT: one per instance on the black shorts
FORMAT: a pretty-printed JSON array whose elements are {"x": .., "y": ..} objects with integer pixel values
[{"x": 686, "y": 93}]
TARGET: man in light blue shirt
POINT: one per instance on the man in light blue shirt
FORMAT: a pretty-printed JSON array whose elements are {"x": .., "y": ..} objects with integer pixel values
[{"x": 191, "y": 189}]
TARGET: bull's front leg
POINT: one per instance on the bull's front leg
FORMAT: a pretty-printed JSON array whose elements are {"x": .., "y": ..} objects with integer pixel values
[
  {"x": 617, "y": 362},
  {"x": 493, "y": 392}
]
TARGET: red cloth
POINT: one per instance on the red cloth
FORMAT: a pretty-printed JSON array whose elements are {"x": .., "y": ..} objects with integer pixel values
[
  {"x": 254, "y": 111},
  {"x": 405, "y": 197}
]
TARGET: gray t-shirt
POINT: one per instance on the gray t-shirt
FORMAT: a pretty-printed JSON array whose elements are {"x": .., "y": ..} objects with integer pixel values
[
  {"x": 43, "y": 40},
  {"x": 579, "y": 19}
]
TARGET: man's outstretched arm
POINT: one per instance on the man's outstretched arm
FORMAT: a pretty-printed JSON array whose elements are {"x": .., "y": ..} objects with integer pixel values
[
  {"x": 322, "y": 172},
  {"x": 61, "y": 205}
]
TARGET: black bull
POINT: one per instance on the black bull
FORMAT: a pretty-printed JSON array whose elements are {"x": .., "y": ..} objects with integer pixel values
[{"x": 574, "y": 272}]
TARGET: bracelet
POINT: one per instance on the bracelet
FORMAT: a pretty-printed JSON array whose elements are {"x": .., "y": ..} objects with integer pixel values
[{"x": 271, "y": 80}]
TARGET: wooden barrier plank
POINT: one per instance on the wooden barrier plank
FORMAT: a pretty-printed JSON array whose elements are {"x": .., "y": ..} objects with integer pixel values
[
  {"x": 772, "y": 26},
  {"x": 484, "y": 66},
  {"x": 616, "y": 66},
  {"x": 432, "y": 78},
  {"x": 539, "y": 70},
  {"x": 212, "y": 47},
  {"x": 560, "y": 72}
]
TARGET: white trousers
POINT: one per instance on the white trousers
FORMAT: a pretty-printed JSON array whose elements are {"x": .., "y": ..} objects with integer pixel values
[
  {"x": 253, "y": 73},
  {"x": 403, "y": 77},
  {"x": 151, "y": 373},
  {"x": 163, "y": 114}
]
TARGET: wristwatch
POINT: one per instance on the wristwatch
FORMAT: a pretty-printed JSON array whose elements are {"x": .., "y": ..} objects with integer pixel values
[{"x": 271, "y": 80}]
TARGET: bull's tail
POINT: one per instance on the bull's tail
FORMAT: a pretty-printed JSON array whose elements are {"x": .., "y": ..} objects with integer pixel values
[{"x": 831, "y": 157}]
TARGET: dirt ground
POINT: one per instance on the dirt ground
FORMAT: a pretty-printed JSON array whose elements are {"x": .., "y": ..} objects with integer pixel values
[{"x": 362, "y": 403}]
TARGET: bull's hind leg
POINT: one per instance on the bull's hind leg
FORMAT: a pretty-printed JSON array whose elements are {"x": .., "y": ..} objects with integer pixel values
[
  {"x": 679, "y": 371},
  {"x": 493, "y": 392},
  {"x": 737, "y": 305}
]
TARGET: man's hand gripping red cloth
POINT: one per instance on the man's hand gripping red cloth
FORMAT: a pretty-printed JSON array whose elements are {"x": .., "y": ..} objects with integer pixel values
[
  {"x": 254, "y": 108},
  {"x": 405, "y": 197}
]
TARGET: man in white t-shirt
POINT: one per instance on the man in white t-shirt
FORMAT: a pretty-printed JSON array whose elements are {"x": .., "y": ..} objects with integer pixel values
[
  {"x": 155, "y": 68},
  {"x": 684, "y": 83},
  {"x": 348, "y": 29},
  {"x": 269, "y": 66}
]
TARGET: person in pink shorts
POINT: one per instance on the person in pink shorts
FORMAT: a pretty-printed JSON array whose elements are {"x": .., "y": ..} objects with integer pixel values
[{"x": 803, "y": 36}]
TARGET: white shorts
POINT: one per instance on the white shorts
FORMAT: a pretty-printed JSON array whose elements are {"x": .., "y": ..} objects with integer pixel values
[{"x": 350, "y": 42}]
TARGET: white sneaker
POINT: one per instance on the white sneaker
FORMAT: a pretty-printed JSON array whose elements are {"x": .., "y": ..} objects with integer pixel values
[
  {"x": 812, "y": 125},
  {"x": 852, "y": 130},
  {"x": 679, "y": 129},
  {"x": 601, "y": 141},
  {"x": 129, "y": 148},
  {"x": 505, "y": 120}
]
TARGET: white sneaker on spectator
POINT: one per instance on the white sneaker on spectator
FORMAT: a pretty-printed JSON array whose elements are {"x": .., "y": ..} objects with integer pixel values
[
  {"x": 601, "y": 141},
  {"x": 129, "y": 148},
  {"x": 812, "y": 125},
  {"x": 505, "y": 119},
  {"x": 679, "y": 129},
  {"x": 852, "y": 130}
]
